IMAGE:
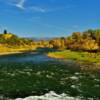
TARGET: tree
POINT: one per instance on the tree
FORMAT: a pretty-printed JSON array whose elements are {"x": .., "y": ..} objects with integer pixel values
[
  {"x": 56, "y": 43},
  {"x": 97, "y": 36},
  {"x": 91, "y": 33},
  {"x": 62, "y": 40},
  {"x": 5, "y": 31},
  {"x": 76, "y": 36},
  {"x": 89, "y": 45}
]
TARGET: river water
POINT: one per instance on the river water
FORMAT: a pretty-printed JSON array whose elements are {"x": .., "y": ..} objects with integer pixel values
[{"x": 25, "y": 58}]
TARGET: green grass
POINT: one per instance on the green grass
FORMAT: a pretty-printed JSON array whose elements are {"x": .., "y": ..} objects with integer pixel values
[
  {"x": 79, "y": 56},
  {"x": 22, "y": 79}
]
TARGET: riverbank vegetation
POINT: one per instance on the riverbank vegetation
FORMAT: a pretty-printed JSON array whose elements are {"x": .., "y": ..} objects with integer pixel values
[
  {"x": 79, "y": 46},
  {"x": 84, "y": 57},
  {"x": 10, "y": 42},
  {"x": 79, "y": 41}
]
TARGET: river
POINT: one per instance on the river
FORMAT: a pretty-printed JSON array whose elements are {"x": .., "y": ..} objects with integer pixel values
[{"x": 25, "y": 57}]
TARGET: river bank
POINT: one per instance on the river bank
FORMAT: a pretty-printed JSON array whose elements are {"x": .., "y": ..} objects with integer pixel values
[
  {"x": 84, "y": 57},
  {"x": 20, "y": 51},
  {"x": 4, "y": 50},
  {"x": 9, "y": 53}
]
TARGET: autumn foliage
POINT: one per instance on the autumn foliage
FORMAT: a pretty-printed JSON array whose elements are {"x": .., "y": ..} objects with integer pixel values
[
  {"x": 78, "y": 41},
  {"x": 86, "y": 41}
]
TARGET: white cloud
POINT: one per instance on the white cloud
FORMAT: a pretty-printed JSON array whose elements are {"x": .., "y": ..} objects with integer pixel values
[
  {"x": 20, "y": 4},
  {"x": 17, "y": 3}
]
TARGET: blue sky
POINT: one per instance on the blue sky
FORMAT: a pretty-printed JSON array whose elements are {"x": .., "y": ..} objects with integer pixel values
[{"x": 48, "y": 18}]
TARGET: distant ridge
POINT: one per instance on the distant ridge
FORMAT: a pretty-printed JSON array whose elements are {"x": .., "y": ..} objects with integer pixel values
[{"x": 38, "y": 39}]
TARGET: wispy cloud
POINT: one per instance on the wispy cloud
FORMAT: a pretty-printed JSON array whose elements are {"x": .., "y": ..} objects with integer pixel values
[
  {"x": 17, "y": 3},
  {"x": 45, "y": 10},
  {"x": 21, "y": 5},
  {"x": 59, "y": 9},
  {"x": 37, "y": 9}
]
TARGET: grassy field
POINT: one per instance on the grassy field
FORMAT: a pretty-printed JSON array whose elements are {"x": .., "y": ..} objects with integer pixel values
[
  {"x": 78, "y": 56},
  {"x": 25, "y": 79}
]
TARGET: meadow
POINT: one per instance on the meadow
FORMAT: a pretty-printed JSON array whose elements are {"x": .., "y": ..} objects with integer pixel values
[{"x": 80, "y": 56}]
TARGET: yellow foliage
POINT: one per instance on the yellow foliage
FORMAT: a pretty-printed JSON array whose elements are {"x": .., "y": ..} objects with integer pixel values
[
  {"x": 7, "y": 36},
  {"x": 90, "y": 45}
]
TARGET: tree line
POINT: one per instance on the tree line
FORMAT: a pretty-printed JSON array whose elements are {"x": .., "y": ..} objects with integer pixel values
[{"x": 80, "y": 41}]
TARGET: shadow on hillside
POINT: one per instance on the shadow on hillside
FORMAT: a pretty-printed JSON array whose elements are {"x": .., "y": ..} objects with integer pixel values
[{"x": 45, "y": 50}]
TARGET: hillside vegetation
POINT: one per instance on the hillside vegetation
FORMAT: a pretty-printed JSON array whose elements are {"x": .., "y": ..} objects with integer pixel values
[
  {"x": 12, "y": 43},
  {"x": 79, "y": 41},
  {"x": 85, "y": 41}
]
